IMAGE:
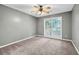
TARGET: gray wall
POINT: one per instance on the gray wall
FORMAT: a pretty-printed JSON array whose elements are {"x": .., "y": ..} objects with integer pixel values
[
  {"x": 15, "y": 25},
  {"x": 75, "y": 25},
  {"x": 67, "y": 24}
]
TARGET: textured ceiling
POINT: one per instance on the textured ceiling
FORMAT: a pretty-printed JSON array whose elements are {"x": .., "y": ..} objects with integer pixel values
[{"x": 56, "y": 8}]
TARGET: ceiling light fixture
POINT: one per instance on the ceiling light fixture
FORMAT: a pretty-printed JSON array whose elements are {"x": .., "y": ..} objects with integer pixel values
[{"x": 41, "y": 9}]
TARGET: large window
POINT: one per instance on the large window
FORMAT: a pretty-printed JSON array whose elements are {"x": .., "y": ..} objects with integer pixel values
[{"x": 53, "y": 27}]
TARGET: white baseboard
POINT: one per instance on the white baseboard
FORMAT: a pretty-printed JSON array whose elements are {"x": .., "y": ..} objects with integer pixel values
[
  {"x": 40, "y": 35},
  {"x": 75, "y": 47},
  {"x": 17, "y": 41},
  {"x": 53, "y": 38},
  {"x": 67, "y": 40}
]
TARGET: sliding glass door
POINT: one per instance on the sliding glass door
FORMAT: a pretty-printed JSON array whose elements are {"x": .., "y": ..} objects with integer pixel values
[{"x": 53, "y": 27}]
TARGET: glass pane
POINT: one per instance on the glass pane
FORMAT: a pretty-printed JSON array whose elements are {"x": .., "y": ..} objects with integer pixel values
[
  {"x": 48, "y": 27},
  {"x": 56, "y": 26}
]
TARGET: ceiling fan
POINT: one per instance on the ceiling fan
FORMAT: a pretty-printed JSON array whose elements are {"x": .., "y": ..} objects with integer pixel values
[{"x": 41, "y": 9}]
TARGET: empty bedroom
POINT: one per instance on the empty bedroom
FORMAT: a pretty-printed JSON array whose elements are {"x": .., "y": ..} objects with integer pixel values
[{"x": 39, "y": 29}]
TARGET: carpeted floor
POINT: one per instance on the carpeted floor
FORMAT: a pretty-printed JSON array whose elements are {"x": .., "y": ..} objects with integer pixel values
[{"x": 40, "y": 46}]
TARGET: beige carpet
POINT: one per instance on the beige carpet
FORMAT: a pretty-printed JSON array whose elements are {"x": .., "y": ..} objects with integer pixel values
[{"x": 40, "y": 46}]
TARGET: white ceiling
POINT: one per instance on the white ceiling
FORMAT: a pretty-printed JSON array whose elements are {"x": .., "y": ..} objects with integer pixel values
[{"x": 56, "y": 8}]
